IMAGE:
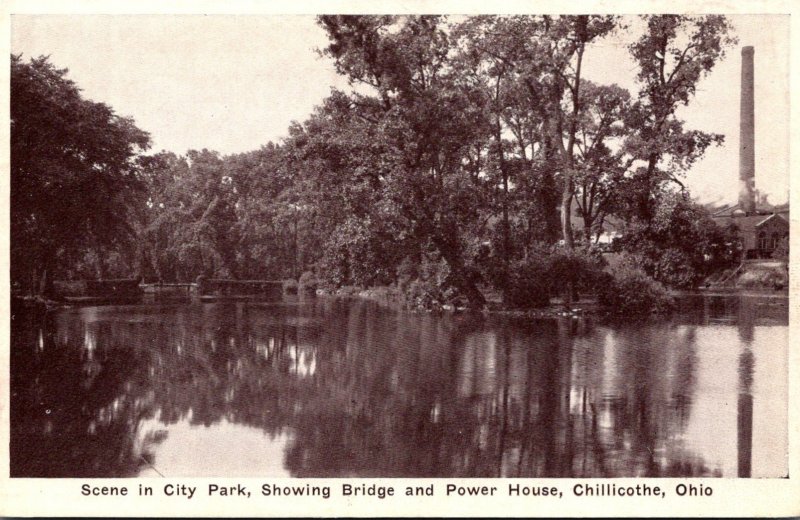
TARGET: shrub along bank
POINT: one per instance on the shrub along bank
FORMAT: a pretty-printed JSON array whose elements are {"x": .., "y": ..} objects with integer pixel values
[{"x": 532, "y": 284}]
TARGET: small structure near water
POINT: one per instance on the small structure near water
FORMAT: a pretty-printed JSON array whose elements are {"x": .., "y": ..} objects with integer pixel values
[
  {"x": 169, "y": 291},
  {"x": 211, "y": 289},
  {"x": 133, "y": 290},
  {"x": 117, "y": 290}
]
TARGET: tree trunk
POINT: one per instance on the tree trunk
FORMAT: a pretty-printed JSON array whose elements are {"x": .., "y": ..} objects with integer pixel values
[
  {"x": 506, "y": 224},
  {"x": 474, "y": 295},
  {"x": 645, "y": 205},
  {"x": 566, "y": 212},
  {"x": 44, "y": 283},
  {"x": 460, "y": 276},
  {"x": 567, "y": 158},
  {"x": 549, "y": 198}
]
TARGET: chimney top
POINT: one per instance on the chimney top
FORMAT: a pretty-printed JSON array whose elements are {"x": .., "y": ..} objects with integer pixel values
[{"x": 747, "y": 50}]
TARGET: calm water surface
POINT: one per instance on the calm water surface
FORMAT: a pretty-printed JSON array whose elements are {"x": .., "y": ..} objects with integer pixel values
[{"x": 333, "y": 388}]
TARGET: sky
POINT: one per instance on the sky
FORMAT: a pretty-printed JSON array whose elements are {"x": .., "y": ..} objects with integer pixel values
[{"x": 232, "y": 83}]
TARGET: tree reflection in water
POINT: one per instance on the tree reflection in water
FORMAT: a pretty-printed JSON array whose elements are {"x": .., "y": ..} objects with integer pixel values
[{"x": 368, "y": 391}]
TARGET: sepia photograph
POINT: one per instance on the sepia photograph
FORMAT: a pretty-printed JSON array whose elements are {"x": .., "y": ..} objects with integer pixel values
[{"x": 422, "y": 246}]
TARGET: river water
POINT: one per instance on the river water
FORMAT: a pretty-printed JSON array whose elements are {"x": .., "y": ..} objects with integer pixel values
[{"x": 335, "y": 387}]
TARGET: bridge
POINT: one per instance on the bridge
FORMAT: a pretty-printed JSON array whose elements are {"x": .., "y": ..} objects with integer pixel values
[
  {"x": 210, "y": 289},
  {"x": 126, "y": 290}
]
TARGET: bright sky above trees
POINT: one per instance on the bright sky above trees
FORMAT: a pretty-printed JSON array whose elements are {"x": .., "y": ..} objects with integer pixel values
[{"x": 233, "y": 83}]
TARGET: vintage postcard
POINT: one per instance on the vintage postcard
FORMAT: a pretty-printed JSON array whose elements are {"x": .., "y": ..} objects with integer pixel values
[{"x": 399, "y": 259}]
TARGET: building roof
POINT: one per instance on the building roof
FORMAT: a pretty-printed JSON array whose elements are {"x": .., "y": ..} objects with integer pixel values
[
  {"x": 748, "y": 223},
  {"x": 774, "y": 215},
  {"x": 761, "y": 209}
]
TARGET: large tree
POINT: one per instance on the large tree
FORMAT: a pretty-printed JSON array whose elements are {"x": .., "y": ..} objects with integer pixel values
[
  {"x": 673, "y": 55},
  {"x": 427, "y": 121},
  {"x": 72, "y": 171},
  {"x": 190, "y": 221},
  {"x": 543, "y": 56},
  {"x": 599, "y": 173},
  {"x": 338, "y": 165}
]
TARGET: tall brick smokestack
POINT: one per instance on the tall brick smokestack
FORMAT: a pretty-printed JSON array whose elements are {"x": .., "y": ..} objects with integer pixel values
[{"x": 747, "y": 153}]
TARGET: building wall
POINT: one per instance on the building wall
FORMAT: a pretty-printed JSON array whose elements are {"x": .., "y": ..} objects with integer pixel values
[
  {"x": 749, "y": 230},
  {"x": 775, "y": 226},
  {"x": 748, "y": 239}
]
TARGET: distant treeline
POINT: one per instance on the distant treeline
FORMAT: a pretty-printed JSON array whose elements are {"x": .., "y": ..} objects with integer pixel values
[{"x": 472, "y": 155}]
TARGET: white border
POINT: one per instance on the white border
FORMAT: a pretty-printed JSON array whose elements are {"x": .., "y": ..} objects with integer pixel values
[{"x": 731, "y": 497}]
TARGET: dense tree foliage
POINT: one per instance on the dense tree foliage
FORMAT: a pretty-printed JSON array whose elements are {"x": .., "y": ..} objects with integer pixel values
[
  {"x": 681, "y": 245},
  {"x": 673, "y": 55},
  {"x": 470, "y": 155},
  {"x": 73, "y": 172}
]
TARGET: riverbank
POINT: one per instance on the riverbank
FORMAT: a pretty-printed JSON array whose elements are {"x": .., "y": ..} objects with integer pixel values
[
  {"x": 392, "y": 296},
  {"x": 735, "y": 291},
  {"x": 586, "y": 306}
]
